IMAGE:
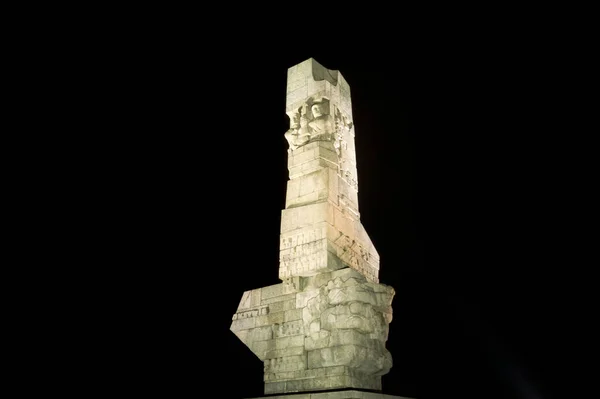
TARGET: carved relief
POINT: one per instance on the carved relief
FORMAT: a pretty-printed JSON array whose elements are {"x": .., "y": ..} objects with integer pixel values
[
  {"x": 305, "y": 237},
  {"x": 344, "y": 134},
  {"x": 349, "y": 178},
  {"x": 264, "y": 310},
  {"x": 310, "y": 122},
  {"x": 287, "y": 329},
  {"x": 318, "y": 120},
  {"x": 303, "y": 252},
  {"x": 355, "y": 255},
  {"x": 282, "y": 364},
  {"x": 293, "y": 283},
  {"x": 304, "y": 249},
  {"x": 352, "y": 316},
  {"x": 302, "y": 264}
]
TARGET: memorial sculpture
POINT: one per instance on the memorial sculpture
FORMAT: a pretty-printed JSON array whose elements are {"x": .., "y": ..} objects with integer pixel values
[{"x": 325, "y": 326}]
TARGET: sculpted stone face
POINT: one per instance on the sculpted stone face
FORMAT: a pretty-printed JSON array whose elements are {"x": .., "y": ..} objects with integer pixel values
[{"x": 316, "y": 110}]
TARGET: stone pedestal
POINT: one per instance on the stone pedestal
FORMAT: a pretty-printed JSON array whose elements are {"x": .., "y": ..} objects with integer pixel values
[{"x": 351, "y": 394}]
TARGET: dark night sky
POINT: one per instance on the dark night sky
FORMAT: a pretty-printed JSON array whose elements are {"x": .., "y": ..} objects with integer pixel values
[{"x": 459, "y": 172}]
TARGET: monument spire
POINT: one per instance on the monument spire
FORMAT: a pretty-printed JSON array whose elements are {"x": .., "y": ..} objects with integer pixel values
[
  {"x": 320, "y": 225},
  {"x": 325, "y": 326}
]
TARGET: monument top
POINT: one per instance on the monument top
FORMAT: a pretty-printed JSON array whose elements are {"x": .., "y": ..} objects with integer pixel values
[
  {"x": 311, "y": 79},
  {"x": 319, "y": 72}
]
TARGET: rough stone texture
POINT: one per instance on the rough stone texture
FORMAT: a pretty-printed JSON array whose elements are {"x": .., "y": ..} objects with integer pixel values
[
  {"x": 320, "y": 225},
  {"x": 325, "y": 326},
  {"x": 319, "y": 332},
  {"x": 351, "y": 394}
]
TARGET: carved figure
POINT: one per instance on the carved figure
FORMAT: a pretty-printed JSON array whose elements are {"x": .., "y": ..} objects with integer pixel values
[{"x": 304, "y": 128}]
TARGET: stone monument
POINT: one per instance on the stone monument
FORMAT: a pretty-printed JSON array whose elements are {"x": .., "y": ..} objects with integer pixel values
[{"x": 322, "y": 330}]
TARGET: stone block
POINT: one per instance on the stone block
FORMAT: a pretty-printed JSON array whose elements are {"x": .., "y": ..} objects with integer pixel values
[
  {"x": 312, "y": 182},
  {"x": 296, "y": 83},
  {"x": 298, "y": 95},
  {"x": 317, "y": 340},
  {"x": 259, "y": 348},
  {"x": 304, "y": 217},
  {"x": 289, "y": 304},
  {"x": 275, "y": 318},
  {"x": 289, "y": 342},
  {"x": 292, "y": 351},
  {"x": 299, "y": 256},
  {"x": 301, "y": 157},
  {"x": 243, "y": 324},
  {"x": 275, "y": 387},
  {"x": 261, "y": 321},
  {"x": 250, "y": 299},
  {"x": 272, "y": 291},
  {"x": 260, "y": 333},
  {"x": 302, "y": 298},
  {"x": 349, "y": 337},
  {"x": 281, "y": 298},
  {"x": 345, "y": 394},
  {"x": 276, "y": 307},
  {"x": 291, "y": 315},
  {"x": 295, "y": 327},
  {"x": 284, "y": 367}
]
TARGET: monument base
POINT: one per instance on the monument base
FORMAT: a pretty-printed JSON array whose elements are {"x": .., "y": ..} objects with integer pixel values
[{"x": 350, "y": 394}]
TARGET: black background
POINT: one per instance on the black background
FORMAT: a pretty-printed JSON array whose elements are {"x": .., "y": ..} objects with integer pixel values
[{"x": 463, "y": 189}]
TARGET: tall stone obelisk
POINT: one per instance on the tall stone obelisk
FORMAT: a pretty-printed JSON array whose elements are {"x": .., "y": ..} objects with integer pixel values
[{"x": 325, "y": 326}]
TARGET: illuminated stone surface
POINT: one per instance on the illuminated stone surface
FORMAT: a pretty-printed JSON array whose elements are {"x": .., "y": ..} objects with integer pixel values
[
  {"x": 320, "y": 332},
  {"x": 325, "y": 326},
  {"x": 320, "y": 225},
  {"x": 337, "y": 395}
]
